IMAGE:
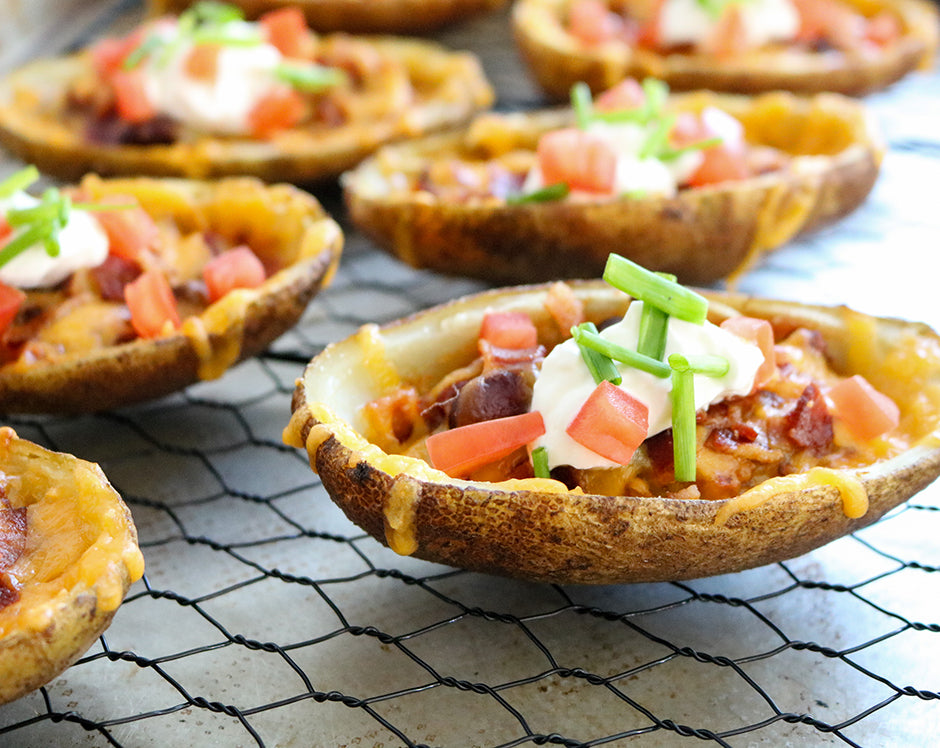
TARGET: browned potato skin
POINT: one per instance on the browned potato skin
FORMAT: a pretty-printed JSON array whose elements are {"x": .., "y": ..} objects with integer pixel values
[
  {"x": 283, "y": 224},
  {"x": 32, "y": 655},
  {"x": 577, "y": 538},
  {"x": 451, "y": 88},
  {"x": 556, "y": 60},
  {"x": 361, "y": 16},
  {"x": 701, "y": 235}
]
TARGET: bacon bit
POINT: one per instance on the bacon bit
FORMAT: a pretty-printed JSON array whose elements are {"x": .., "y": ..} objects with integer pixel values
[
  {"x": 12, "y": 544},
  {"x": 566, "y": 308},
  {"x": 809, "y": 424},
  {"x": 113, "y": 274},
  {"x": 509, "y": 358},
  {"x": 393, "y": 419}
]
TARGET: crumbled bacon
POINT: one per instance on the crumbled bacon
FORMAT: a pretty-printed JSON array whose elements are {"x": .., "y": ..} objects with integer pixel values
[
  {"x": 12, "y": 545},
  {"x": 809, "y": 424}
]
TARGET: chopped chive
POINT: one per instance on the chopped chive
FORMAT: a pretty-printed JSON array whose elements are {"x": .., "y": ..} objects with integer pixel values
[
  {"x": 582, "y": 104},
  {"x": 654, "y": 324},
  {"x": 637, "y": 194},
  {"x": 617, "y": 116},
  {"x": 557, "y": 191},
  {"x": 682, "y": 399},
  {"x": 600, "y": 366},
  {"x": 310, "y": 77},
  {"x": 150, "y": 44},
  {"x": 656, "y": 92},
  {"x": 707, "y": 364},
  {"x": 209, "y": 11},
  {"x": 42, "y": 213},
  {"x": 651, "y": 288},
  {"x": 658, "y": 139},
  {"x": 18, "y": 181},
  {"x": 622, "y": 354},
  {"x": 667, "y": 154},
  {"x": 23, "y": 241},
  {"x": 540, "y": 463}
]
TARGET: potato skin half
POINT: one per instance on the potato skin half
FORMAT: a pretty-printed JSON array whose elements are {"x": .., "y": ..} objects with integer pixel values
[
  {"x": 701, "y": 235},
  {"x": 522, "y": 530},
  {"x": 361, "y": 16},
  {"x": 61, "y": 613},
  {"x": 556, "y": 60},
  {"x": 281, "y": 222},
  {"x": 451, "y": 87}
]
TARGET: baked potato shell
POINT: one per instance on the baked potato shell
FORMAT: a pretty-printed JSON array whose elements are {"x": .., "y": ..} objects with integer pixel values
[
  {"x": 285, "y": 226},
  {"x": 557, "y": 60},
  {"x": 361, "y": 16},
  {"x": 535, "y": 529},
  {"x": 701, "y": 234},
  {"x": 81, "y": 558},
  {"x": 450, "y": 88}
]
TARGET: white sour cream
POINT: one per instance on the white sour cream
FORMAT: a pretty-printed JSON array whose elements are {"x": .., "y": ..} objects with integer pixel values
[
  {"x": 82, "y": 244},
  {"x": 222, "y": 105},
  {"x": 764, "y": 21},
  {"x": 564, "y": 382}
]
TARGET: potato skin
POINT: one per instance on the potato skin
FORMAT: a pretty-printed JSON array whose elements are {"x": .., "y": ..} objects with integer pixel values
[
  {"x": 58, "y": 617},
  {"x": 556, "y": 60},
  {"x": 524, "y": 531},
  {"x": 451, "y": 87},
  {"x": 282, "y": 222},
  {"x": 361, "y": 16},
  {"x": 701, "y": 235}
]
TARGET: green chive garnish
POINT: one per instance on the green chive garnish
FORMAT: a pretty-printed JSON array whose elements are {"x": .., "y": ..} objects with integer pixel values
[
  {"x": 310, "y": 78},
  {"x": 654, "y": 324},
  {"x": 667, "y": 154},
  {"x": 582, "y": 103},
  {"x": 600, "y": 366},
  {"x": 658, "y": 139},
  {"x": 651, "y": 288},
  {"x": 149, "y": 45},
  {"x": 21, "y": 242},
  {"x": 682, "y": 399},
  {"x": 552, "y": 192},
  {"x": 18, "y": 181},
  {"x": 620, "y": 353},
  {"x": 540, "y": 463},
  {"x": 211, "y": 12},
  {"x": 707, "y": 364}
]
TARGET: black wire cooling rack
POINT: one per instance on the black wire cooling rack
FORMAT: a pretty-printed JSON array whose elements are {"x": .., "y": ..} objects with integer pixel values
[{"x": 265, "y": 618}]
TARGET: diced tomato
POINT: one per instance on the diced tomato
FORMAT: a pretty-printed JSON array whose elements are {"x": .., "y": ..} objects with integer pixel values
[
  {"x": 11, "y": 299},
  {"x": 287, "y": 29},
  {"x": 883, "y": 29},
  {"x": 866, "y": 411},
  {"x": 107, "y": 55},
  {"x": 720, "y": 163},
  {"x": 460, "y": 451},
  {"x": 202, "y": 62},
  {"x": 152, "y": 304},
  {"x": 131, "y": 230},
  {"x": 237, "y": 268},
  {"x": 649, "y": 34},
  {"x": 577, "y": 159},
  {"x": 281, "y": 109},
  {"x": 592, "y": 22},
  {"x": 130, "y": 96},
  {"x": 509, "y": 330},
  {"x": 5, "y": 229},
  {"x": 728, "y": 37},
  {"x": 628, "y": 94},
  {"x": 760, "y": 332},
  {"x": 611, "y": 423}
]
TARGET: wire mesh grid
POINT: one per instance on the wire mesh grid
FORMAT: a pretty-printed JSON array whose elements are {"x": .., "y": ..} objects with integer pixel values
[{"x": 266, "y": 618}]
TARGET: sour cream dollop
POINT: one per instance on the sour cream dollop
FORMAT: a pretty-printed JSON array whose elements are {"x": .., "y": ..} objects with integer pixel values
[
  {"x": 82, "y": 244},
  {"x": 245, "y": 75},
  {"x": 564, "y": 382},
  {"x": 764, "y": 21}
]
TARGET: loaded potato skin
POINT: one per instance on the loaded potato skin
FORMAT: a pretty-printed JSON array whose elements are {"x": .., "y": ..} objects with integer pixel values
[
  {"x": 827, "y": 51},
  {"x": 77, "y": 559},
  {"x": 540, "y": 528}
]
